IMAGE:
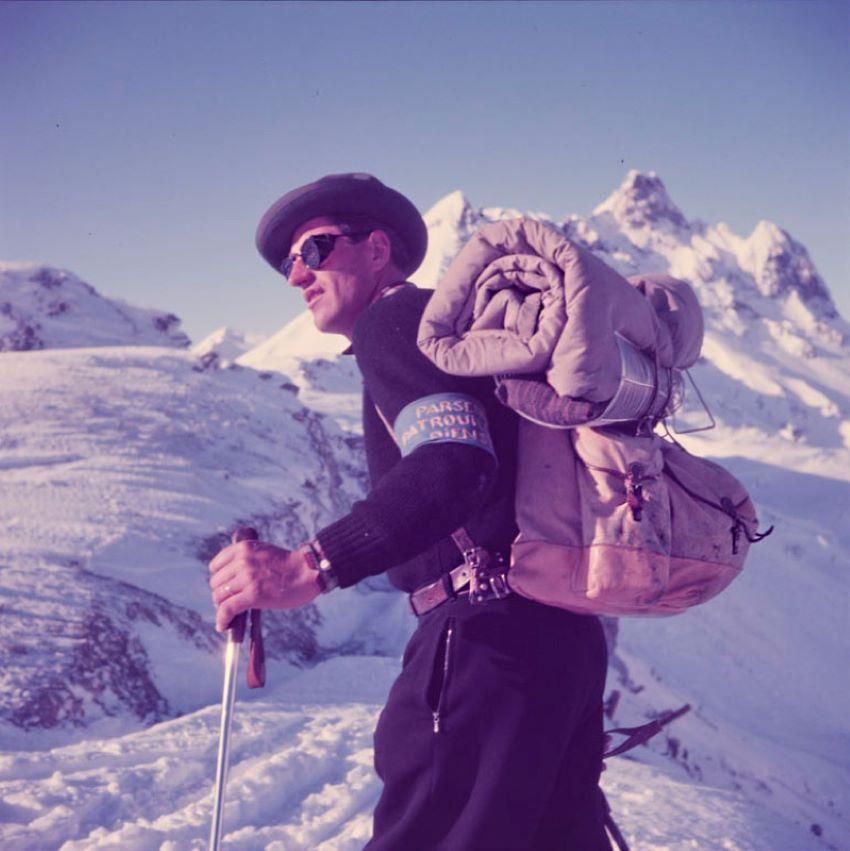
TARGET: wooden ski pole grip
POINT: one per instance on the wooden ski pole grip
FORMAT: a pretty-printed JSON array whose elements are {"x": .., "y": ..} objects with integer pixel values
[
  {"x": 256, "y": 672},
  {"x": 244, "y": 533},
  {"x": 236, "y": 628}
]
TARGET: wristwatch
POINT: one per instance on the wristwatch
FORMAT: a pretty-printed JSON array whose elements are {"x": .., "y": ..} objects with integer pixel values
[{"x": 318, "y": 561}]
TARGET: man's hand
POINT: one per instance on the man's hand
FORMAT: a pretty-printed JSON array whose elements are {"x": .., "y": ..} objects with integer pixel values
[{"x": 254, "y": 575}]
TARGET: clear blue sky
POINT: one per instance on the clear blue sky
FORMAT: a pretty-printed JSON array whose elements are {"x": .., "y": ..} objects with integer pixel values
[{"x": 142, "y": 142}]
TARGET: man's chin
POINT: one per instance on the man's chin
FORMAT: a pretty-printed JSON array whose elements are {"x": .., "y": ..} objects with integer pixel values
[{"x": 324, "y": 324}]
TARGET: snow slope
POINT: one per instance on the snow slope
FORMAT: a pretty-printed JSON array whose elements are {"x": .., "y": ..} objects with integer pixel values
[
  {"x": 326, "y": 381},
  {"x": 42, "y": 307},
  {"x": 122, "y": 467},
  {"x": 301, "y": 778},
  {"x": 225, "y": 345}
]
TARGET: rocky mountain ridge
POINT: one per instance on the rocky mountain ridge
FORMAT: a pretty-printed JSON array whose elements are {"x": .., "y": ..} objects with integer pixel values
[{"x": 42, "y": 307}]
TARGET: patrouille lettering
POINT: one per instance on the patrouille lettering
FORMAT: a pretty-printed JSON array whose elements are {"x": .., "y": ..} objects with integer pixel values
[
  {"x": 443, "y": 418},
  {"x": 409, "y": 434},
  {"x": 446, "y": 405}
]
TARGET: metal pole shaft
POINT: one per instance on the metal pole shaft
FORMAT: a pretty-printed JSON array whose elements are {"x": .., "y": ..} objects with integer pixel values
[
  {"x": 235, "y": 634},
  {"x": 228, "y": 697}
]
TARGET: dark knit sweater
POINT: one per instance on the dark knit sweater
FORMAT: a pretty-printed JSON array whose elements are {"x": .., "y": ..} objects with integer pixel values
[{"x": 415, "y": 503}]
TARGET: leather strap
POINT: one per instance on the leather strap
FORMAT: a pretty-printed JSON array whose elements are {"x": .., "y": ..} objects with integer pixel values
[
  {"x": 448, "y": 586},
  {"x": 463, "y": 541},
  {"x": 256, "y": 672}
]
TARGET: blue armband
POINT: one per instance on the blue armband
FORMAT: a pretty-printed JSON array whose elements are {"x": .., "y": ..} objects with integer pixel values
[{"x": 443, "y": 418}]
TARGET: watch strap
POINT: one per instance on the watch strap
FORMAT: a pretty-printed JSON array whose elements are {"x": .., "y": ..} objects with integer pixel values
[{"x": 319, "y": 562}]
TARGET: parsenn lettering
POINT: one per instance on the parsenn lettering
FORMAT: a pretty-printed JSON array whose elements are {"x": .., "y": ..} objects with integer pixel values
[{"x": 443, "y": 418}]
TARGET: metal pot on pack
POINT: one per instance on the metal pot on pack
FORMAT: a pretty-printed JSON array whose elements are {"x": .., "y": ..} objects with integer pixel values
[{"x": 646, "y": 392}]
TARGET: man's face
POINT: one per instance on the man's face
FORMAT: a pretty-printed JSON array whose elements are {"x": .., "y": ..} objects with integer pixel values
[{"x": 343, "y": 286}]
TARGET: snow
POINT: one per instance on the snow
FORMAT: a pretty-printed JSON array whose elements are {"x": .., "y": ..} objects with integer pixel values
[
  {"x": 641, "y": 211},
  {"x": 299, "y": 338},
  {"x": 301, "y": 778},
  {"x": 325, "y": 382},
  {"x": 451, "y": 221},
  {"x": 300, "y": 774},
  {"x": 45, "y": 307},
  {"x": 112, "y": 502},
  {"x": 227, "y": 344},
  {"x": 125, "y": 459},
  {"x": 731, "y": 358}
]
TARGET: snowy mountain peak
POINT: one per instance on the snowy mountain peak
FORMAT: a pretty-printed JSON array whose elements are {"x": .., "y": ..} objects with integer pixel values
[
  {"x": 226, "y": 344},
  {"x": 640, "y": 201},
  {"x": 42, "y": 307},
  {"x": 451, "y": 222},
  {"x": 299, "y": 339},
  {"x": 453, "y": 208},
  {"x": 780, "y": 265}
]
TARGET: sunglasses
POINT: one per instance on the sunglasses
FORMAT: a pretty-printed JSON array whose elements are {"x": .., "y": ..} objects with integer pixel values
[{"x": 316, "y": 249}]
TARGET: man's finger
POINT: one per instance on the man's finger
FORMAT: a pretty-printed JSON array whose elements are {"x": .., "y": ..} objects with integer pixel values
[
  {"x": 224, "y": 557},
  {"x": 229, "y": 589},
  {"x": 231, "y": 607},
  {"x": 226, "y": 574}
]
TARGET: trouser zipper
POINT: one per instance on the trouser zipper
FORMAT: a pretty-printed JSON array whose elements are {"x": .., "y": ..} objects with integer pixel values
[{"x": 446, "y": 652}]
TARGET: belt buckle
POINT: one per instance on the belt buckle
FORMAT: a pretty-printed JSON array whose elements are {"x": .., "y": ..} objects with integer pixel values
[{"x": 487, "y": 576}]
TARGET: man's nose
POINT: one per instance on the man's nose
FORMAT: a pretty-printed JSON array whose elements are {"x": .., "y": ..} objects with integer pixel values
[{"x": 301, "y": 273}]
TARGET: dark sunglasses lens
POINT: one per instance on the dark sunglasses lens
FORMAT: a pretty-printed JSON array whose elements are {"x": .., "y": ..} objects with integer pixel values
[
  {"x": 314, "y": 252},
  {"x": 311, "y": 253}
]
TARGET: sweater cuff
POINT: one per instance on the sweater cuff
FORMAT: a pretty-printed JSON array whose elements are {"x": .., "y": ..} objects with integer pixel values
[{"x": 356, "y": 547}]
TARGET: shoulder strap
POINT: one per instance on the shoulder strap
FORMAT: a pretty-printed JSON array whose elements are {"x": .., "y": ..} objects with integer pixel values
[{"x": 386, "y": 422}]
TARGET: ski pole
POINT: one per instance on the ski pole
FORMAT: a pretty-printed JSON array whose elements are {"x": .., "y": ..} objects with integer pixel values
[{"x": 256, "y": 678}]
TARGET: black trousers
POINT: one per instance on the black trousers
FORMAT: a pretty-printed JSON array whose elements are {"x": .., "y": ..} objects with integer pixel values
[{"x": 491, "y": 737}]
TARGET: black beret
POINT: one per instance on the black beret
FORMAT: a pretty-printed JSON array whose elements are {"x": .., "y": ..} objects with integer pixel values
[{"x": 341, "y": 194}]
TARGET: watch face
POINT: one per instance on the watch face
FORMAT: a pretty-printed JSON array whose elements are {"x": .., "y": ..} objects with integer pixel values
[{"x": 318, "y": 561}]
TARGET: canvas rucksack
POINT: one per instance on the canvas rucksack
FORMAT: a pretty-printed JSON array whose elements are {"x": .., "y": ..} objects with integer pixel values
[
  {"x": 613, "y": 519},
  {"x": 617, "y": 524}
]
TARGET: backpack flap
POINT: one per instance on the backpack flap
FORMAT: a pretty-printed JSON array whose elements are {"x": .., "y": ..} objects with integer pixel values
[
  {"x": 594, "y": 521},
  {"x": 625, "y": 517}
]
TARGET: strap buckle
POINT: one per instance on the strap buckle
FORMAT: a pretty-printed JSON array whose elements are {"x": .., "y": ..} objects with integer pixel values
[{"x": 488, "y": 575}]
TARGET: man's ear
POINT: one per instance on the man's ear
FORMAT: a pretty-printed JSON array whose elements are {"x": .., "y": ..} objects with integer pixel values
[{"x": 380, "y": 249}]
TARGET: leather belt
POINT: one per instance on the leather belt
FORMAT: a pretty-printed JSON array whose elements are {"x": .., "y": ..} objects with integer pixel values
[
  {"x": 485, "y": 574},
  {"x": 445, "y": 588}
]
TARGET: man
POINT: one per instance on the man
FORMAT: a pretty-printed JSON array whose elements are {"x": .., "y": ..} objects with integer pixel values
[{"x": 492, "y": 735}]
